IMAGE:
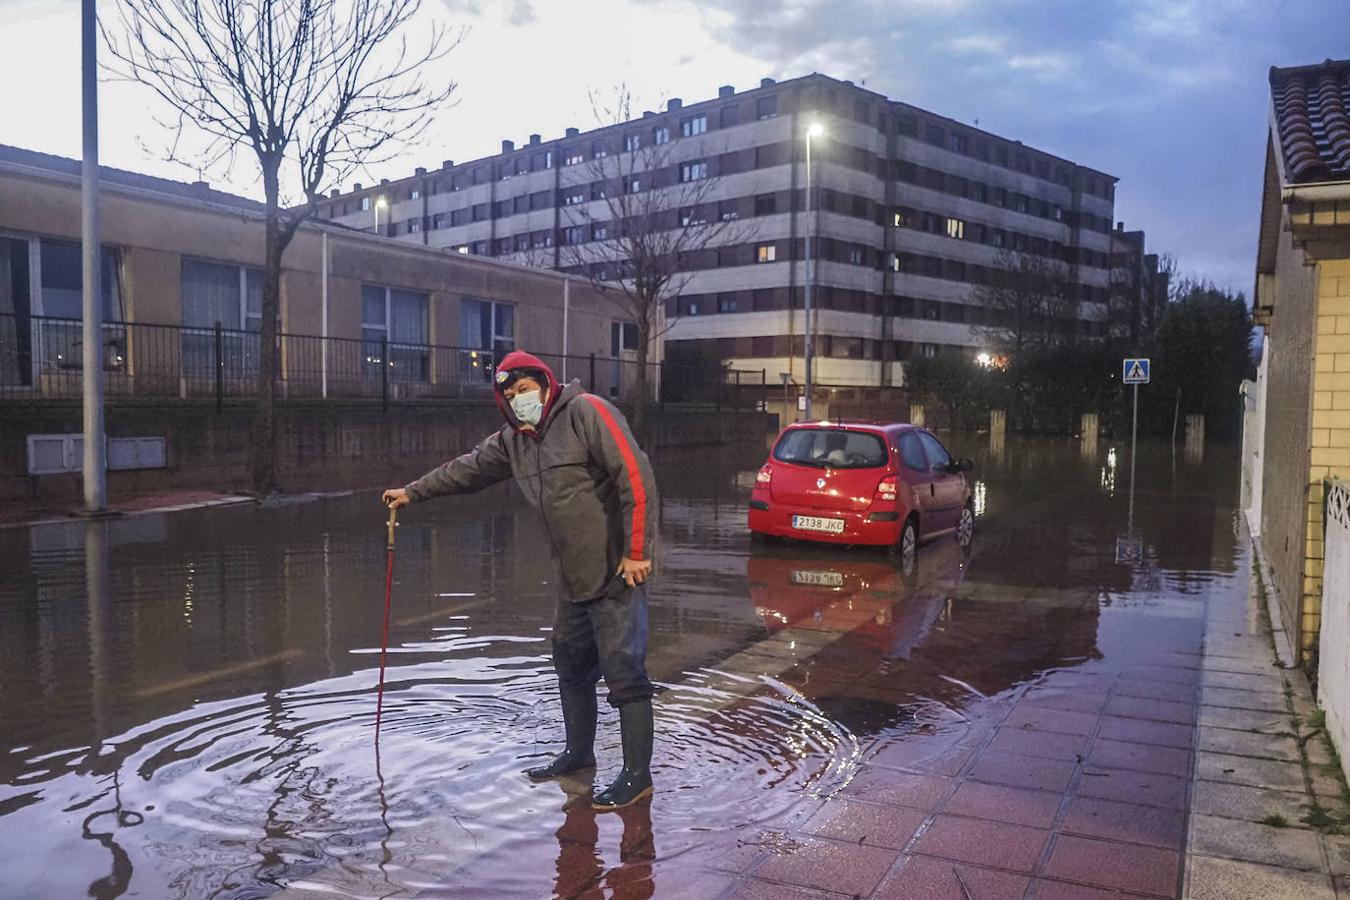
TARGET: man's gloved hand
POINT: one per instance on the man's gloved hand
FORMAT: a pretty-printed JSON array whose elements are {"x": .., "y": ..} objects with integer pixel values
[{"x": 635, "y": 571}]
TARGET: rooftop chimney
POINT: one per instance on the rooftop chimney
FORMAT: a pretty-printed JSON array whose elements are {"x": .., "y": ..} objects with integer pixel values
[
  {"x": 334, "y": 193},
  {"x": 383, "y": 182},
  {"x": 847, "y": 82},
  {"x": 647, "y": 114},
  {"x": 356, "y": 188},
  {"x": 447, "y": 164},
  {"x": 1120, "y": 226},
  {"x": 571, "y": 132},
  {"x": 674, "y": 104},
  {"x": 508, "y": 146},
  {"x": 534, "y": 139},
  {"x": 200, "y": 186},
  {"x": 766, "y": 82},
  {"x": 725, "y": 90}
]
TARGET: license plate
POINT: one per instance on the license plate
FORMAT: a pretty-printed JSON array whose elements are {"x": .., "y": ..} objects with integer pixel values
[
  {"x": 814, "y": 523},
  {"x": 818, "y": 579}
]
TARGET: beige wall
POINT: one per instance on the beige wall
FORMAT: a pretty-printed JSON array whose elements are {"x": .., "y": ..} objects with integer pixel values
[{"x": 153, "y": 234}]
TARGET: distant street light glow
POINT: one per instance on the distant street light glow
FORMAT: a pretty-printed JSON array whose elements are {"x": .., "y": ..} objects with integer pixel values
[
  {"x": 984, "y": 359},
  {"x": 815, "y": 129}
]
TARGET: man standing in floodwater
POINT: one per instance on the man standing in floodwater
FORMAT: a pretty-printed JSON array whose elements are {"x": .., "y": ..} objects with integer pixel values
[{"x": 575, "y": 459}]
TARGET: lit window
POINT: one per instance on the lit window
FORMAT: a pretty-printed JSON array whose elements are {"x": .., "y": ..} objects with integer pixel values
[
  {"x": 693, "y": 171},
  {"x": 632, "y": 142},
  {"x": 661, "y": 134},
  {"x": 956, "y": 229},
  {"x": 766, "y": 253},
  {"x": 365, "y": 203},
  {"x": 574, "y": 199},
  {"x": 573, "y": 158},
  {"x": 694, "y": 125},
  {"x": 414, "y": 194}
]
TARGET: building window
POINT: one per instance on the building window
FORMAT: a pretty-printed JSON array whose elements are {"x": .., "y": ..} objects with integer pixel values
[
  {"x": 726, "y": 303},
  {"x": 365, "y": 204},
  {"x": 488, "y": 331},
  {"x": 599, "y": 232},
  {"x": 661, "y": 134},
  {"x": 622, "y": 336},
  {"x": 728, "y": 116},
  {"x": 572, "y": 199},
  {"x": 479, "y": 248},
  {"x": 414, "y": 226},
  {"x": 632, "y": 184},
  {"x": 766, "y": 204},
  {"x": 766, "y": 107},
  {"x": 396, "y": 319},
  {"x": 216, "y": 293},
  {"x": 573, "y": 234},
  {"x": 934, "y": 135},
  {"x": 691, "y": 216},
  {"x": 727, "y": 210},
  {"x": 414, "y": 194},
  {"x": 541, "y": 239},
  {"x": 956, "y": 228},
  {"x": 479, "y": 212},
  {"x": 573, "y": 157},
  {"x": 855, "y": 256},
  {"x": 928, "y": 351},
  {"x": 599, "y": 150},
  {"x": 766, "y": 253},
  {"x": 632, "y": 142},
  {"x": 694, "y": 171},
  {"x": 438, "y": 221},
  {"x": 461, "y": 248},
  {"x": 958, "y": 143},
  {"x": 694, "y": 125},
  {"x": 522, "y": 243}
]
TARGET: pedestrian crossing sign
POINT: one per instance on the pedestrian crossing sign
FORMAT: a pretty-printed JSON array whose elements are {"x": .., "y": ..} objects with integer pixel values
[{"x": 1136, "y": 371}]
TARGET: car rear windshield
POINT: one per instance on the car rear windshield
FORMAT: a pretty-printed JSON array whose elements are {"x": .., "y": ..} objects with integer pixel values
[{"x": 832, "y": 447}]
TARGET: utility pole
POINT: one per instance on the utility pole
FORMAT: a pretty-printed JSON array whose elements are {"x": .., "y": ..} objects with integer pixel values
[
  {"x": 95, "y": 447},
  {"x": 813, "y": 130}
]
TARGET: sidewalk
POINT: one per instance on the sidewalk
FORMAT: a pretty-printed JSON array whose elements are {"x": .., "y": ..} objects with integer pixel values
[{"x": 1263, "y": 771}]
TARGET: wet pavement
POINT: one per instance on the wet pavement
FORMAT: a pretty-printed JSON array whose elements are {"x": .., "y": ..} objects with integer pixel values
[{"x": 188, "y": 699}]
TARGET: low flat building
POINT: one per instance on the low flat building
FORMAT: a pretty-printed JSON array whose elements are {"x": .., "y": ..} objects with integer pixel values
[
  {"x": 361, "y": 315},
  {"x": 911, "y": 212},
  {"x": 1303, "y": 300}
]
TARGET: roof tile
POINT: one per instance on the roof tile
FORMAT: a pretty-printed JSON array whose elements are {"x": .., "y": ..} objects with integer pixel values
[{"x": 1312, "y": 118}]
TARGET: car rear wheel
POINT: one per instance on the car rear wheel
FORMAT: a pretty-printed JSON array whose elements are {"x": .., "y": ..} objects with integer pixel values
[
  {"x": 965, "y": 528},
  {"x": 907, "y": 548}
]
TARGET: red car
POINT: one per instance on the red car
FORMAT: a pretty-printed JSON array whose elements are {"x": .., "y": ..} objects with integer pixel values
[{"x": 876, "y": 484}]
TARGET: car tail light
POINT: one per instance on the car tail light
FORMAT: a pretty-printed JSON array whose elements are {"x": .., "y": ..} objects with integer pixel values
[
  {"x": 886, "y": 490},
  {"x": 765, "y": 474}
]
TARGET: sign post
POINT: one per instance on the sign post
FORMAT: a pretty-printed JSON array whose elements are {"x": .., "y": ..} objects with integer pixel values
[{"x": 1136, "y": 372}]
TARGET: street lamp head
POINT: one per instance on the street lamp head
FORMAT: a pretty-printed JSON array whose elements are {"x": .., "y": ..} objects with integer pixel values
[
  {"x": 815, "y": 129},
  {"x": 381, "y": 202}
]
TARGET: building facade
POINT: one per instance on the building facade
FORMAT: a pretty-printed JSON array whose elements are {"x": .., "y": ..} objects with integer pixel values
[
  {"x": 1302, "y": 400},
  {"x": 911, "y": 212},
  {"x": 1139, "y": 288},
  {"x": 182, "y": 288}
]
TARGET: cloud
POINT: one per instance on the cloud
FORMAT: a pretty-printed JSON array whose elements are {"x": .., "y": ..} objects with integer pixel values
[{"x": 522, "y": 13}]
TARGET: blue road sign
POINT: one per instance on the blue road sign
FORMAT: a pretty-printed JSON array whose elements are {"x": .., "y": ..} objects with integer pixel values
[{"x": 1136, "y": 371}]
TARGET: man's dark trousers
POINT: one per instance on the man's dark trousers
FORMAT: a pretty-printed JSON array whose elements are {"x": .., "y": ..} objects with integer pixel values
[{"x": 604, "y": 636}]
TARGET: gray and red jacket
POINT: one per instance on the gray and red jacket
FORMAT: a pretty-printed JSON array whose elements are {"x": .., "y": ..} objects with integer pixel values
[{"x": 583, "y": 470}]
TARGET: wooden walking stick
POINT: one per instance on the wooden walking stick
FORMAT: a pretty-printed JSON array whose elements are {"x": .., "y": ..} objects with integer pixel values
[{"x": 384, "y": 638}]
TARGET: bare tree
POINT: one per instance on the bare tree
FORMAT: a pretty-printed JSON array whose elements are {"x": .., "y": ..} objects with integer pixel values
[
  {"x": 636, "y": 219},
  {"x": 310, "y": 89},
  {"x": 1030, "y": 301}
]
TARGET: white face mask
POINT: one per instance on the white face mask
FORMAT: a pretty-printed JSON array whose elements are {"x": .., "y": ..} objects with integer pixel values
[{"x": 528, "y": 407}]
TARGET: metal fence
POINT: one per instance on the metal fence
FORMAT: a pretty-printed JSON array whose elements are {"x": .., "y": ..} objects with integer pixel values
[{"x": 42, "y": 358}]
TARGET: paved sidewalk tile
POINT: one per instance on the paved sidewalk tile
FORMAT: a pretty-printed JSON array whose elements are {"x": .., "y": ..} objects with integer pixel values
[
  {"x": 1247, "y": 743},
  {"x": 1270, "y": 682},
  {"x": 1237, "y": 801},
  {"x": 898, "y": 788},
  {"x": 1229, "y": 879},
  {"x": 1140, "y": 757},
  {"x": 994, "y": 844},
  {"x": 1154, "y": 710},
  {"x": 1147, "y": 788},
  {"x": 1005, "y": 804},
  {"x": 764, "y": 890},
  {"x": 926, "y": 878},
  {"x": 1023, "y": 771},
  {"x": 1253, "y": 700},
  {"x": 1157, "y": 690},
  {"x": 1045, "y": 745},
  {"x": 1044, "y": 718},
  {"x": 1070, "y": 699},
  {"x": 1262, "y": 773},
  {"x": 1127, "y": 867},
  {"x": 831, "y": 866},
  {"x": 1243, "y": 719},
  {"x": 1063, "y": 890},
  {"x": 870, "y": 824},
  {"x": 1126, "y": 822},
  {"x": 1139, "y": 731},
  {"x": 1292, "y": 848}
]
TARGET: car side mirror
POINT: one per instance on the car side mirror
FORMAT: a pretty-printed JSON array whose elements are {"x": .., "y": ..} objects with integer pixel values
[{"x": 964, "y": 465}]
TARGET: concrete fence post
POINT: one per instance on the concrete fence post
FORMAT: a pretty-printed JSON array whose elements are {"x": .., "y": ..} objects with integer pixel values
[
  {"x": 916, "y": 416},
  {"x": 1195, "y": 438},
  {"x": 998, "y": 421}
]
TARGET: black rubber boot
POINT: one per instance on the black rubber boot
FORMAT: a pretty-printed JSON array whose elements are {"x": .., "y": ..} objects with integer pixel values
[
  {"x": 635, "y": 781},
  {"x": 579, "y": 711}
]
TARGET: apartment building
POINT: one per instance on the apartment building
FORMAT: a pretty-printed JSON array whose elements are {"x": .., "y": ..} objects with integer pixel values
[
  {"x": 910, "y": 213},
  {"x": 1139, "y": 288}
]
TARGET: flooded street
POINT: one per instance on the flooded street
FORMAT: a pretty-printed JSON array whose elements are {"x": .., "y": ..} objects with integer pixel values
[{"x": 188, "y": 699}]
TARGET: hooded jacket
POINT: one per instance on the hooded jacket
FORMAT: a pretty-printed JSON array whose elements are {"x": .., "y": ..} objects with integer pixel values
[{"x": 582, "y": 469}]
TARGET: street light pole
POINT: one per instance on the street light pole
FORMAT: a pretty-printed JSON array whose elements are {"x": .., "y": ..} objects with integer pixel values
[
  {"x": 379, "y": 205},
  {"x": 95, "y": 448},
  {"x": 813, "y": 130}
]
